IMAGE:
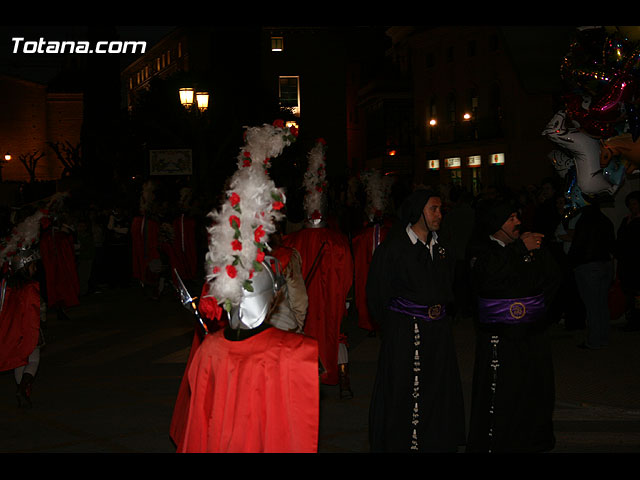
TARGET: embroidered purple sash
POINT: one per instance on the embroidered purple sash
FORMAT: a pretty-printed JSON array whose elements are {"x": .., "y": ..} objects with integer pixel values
[
  {"x": 425, "y": 312},
  {"x": 511, "y": 310}
]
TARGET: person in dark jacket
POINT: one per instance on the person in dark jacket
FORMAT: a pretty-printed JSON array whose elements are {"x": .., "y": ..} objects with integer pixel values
[{"x": 591, "y": 255}]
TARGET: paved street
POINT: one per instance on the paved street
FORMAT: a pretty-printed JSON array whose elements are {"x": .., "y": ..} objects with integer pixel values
[{"x": 109, "y": 376}]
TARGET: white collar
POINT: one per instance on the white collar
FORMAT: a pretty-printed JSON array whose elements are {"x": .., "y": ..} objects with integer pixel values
[
  {"x": 413, "y": 236},
  {"x": 500, "y": 242}
]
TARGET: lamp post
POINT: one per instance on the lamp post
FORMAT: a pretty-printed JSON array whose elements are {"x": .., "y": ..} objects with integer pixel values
[{"x": 188, "y": 95}]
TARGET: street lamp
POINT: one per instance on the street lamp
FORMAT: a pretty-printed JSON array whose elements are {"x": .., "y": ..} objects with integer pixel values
[
  {"x": 186, "y": 97},
  {"x": 6, "y": 159},
  {"x": 202, "y": 99}
]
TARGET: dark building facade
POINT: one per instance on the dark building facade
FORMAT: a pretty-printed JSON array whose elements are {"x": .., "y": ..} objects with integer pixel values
[
  {"x": 441, "y": 105},
  {"x": 465, "y": 104}
]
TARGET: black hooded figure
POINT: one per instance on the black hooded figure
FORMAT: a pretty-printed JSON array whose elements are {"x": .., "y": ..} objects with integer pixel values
[
  {"x": 514, "y": 278},
  {"x": 417, "y": 403}
]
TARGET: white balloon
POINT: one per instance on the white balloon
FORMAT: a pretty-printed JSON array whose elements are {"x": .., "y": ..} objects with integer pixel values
[{"x": 585, "y": 151}]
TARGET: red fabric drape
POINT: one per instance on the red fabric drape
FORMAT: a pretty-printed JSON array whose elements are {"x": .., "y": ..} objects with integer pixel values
[
  {"x": 327, "y": 289},
  {"x": 59, "y": 262},
  {"x": 19, "y": 325},
  {"x": 363, "y": 248},
  {"x": 258, "y": 395}
]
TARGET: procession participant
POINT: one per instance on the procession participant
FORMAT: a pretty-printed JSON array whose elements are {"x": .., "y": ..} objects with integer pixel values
[
  {"x": 327, "y": 268},
  {"x": 366, "y": 241},
  {"x": 513, "y": 393},
  {"x": 146, "y": 258},
  {"x": 250, "y": 387},
  {"x": 57, "y": 252},
  {"x": 416, "y": 404},
  {"x": 183, "y": 246},
  {"x": 21, "y": 307}
]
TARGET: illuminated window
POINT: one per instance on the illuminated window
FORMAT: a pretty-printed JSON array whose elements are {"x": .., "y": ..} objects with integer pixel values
[
  {"x": 277, "y": 44},
  {"x": 289, "y": 93},
  {"x": 474, "y": 161},
  {"x": 452, "y": 162},
  {"x": 497, "y": 159}
]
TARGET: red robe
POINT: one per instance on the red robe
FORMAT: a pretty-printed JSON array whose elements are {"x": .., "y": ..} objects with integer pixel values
[
  {"x": 258, "y": 395},
  {"x": 364, "y": 244},
  {"x": 59, "y": 262},
  {"x": 145, "y": 247},
  {"x": 327, "y": 289},
  {"x": 181, "y": 408},
  {"x": 19, "y": 325}
]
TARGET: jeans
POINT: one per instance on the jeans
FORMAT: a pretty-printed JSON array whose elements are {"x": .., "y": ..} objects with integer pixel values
[{"x": 593, "y": 281}]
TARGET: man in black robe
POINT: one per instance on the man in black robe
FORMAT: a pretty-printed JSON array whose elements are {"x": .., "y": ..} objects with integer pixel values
[
  {"x": 513, "y": 393},
  {"x": 417, "y": 402}
]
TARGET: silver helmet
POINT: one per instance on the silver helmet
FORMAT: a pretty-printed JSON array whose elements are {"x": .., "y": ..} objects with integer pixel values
[{"x": 255, "y": 306}]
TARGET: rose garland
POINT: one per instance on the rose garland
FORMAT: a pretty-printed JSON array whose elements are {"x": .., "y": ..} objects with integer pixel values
[
  {"x": 241, "y": 227},
  {"x": 315, "y": 180}
]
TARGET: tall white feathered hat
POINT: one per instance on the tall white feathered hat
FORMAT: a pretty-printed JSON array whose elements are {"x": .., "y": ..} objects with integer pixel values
[
  {"x": 377, "y": 188},
  {"x": 315, "y": 184},
  {"x": 242, "y": 225}
]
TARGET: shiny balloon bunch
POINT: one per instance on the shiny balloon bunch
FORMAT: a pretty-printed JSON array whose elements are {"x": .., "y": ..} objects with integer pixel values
[{"x": 596, "y": 132}]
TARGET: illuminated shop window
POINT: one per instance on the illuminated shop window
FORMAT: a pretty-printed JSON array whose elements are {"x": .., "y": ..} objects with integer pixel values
[
  {"x": 474, "y": 161},
  {"x": 497, "y": 159},
  {"x": 452, "y": 163},
  {"x": 433, "y": 164},
  {"x": 289, "y": 93}
]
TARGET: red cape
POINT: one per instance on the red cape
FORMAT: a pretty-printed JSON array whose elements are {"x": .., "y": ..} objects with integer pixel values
[
  {"x": 181, "y": 408},
  {"x": 363, "y": 248},
  {"x": 59, "y": 262},
  {"x": 19, "y": 325},
  {"x": 258, "y": 395},
  {"x": 327, "y": 289}
]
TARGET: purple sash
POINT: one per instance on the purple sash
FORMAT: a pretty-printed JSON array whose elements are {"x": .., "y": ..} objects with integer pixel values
[
  {"x": 510, "y": 310},
  {"x": 425, "y": 312}
]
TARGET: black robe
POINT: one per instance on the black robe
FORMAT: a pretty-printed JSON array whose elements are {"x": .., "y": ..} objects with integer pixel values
[
  {"x": 513, "y": 391},
  {"x": 402, "y": 269}
]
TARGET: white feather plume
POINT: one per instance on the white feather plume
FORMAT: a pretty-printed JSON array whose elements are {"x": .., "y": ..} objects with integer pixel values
[{"x": 253, "y": 201}]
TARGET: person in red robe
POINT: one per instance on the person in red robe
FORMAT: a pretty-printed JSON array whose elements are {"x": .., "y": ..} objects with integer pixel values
[
  {"x": 365, "y": 242},
  {"x": 327, "y": 268},
  {"x": 59, "y": 264},
  {"x": 249, "y": 387},
  {"x": 20, "y": 337}
]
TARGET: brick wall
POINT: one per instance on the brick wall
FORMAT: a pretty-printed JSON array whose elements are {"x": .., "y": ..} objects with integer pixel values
[{"x": 31, "y": 117}]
